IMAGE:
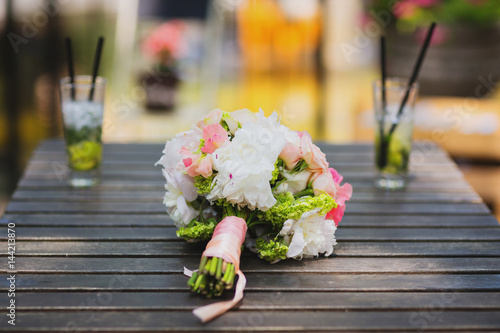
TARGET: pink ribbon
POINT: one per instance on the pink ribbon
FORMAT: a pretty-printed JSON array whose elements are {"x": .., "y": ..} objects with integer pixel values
[
  {"x": 209, "y": 312},
  {"x": 226, "y": 243}
]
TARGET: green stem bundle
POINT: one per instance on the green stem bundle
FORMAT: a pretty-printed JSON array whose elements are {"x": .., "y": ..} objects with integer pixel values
[{"x": 213, "y": 276}]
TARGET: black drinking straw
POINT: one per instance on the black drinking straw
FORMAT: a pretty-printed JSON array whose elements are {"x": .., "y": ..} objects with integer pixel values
[
  {"x": 71, "y": 69},
  {"x": 382, "y": 152},
  {"x": 382, "y": 70},
  {"x": 97, "y": 60},
  {"x": 414, "y": 75},
  {"x": 413, "y": 78}
]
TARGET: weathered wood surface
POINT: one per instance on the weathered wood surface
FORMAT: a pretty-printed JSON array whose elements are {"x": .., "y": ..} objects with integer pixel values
[{"x": 107, "y": 258}]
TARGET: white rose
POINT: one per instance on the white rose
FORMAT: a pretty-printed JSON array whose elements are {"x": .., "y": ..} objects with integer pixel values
[
  {"x": 273, "y": 122},
  {"x": 309, "y": 236},
  {"x": 294, "y": 183},
  {"x": 245, "y": 166},
  {"x": 171, "y": 153},
  {"x": 180, "y": 192},
  {"x": 237, "y": 118}
]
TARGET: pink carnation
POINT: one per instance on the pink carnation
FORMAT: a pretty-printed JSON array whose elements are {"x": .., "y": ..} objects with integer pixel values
[
  {"x": 314, "y": 157},
  {"x": 323, "y": 183},
  {"x": 214, "y": 136},
  {"x": 337, "y": 177},
  {"x": 196, "y": 164},
  {"x": 214, "y": 117},
  {"x": 342, "y": 194},
  {"x": 291, "y": 154}
]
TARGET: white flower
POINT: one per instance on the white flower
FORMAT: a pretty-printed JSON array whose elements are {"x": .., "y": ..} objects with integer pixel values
[
  {"x": 180, "y": 191},
  {"x": 309, "y": 236},
  {"x": 180, "y": 187},
  {"x": 237, "y": 118},
  {"x": 171, "y": 153},
  {"x": 294, "y": 183},
  {"x": 273, "y": 122},
  {"x": 245, "y": 166},
  {"x": 213, "y": 117}
]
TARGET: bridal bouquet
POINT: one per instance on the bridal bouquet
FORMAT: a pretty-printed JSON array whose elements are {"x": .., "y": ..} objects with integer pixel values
[{"x": 242, "y": 178}]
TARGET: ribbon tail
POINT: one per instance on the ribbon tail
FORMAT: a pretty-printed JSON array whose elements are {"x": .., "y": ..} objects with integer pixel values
[
  {"x": 188, "y": 272},
  {"x": 209, "y": 312}
]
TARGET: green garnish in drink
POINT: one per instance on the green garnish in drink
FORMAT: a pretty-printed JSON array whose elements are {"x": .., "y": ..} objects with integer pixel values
[
  {"x": 85, "y": 155},
  {"x": 84, "y": 148},
  {"x": 398, "y": 156}
]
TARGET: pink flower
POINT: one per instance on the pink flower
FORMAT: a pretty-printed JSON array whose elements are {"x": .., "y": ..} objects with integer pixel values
[
  {"x": 214, "y": 117},
  {"x": 314, "y": 157},
  {"x": 323, "y": 183},
  {"x": 337, "y": 178},
  {"x": 205, "y": 166},
  {"x": 214, "y": 136},
  {"x": 302, "y": 133},
  {"x": 336, "y": 214},
  {"x": 342, "y": 194},
  {"x": 291, "y": 154},
  {"x": 196, "y": 164},
  {"x": 438, "y": 37},
  {"x": 404, "y": 9},
  {"x": 165, "y": 41}
]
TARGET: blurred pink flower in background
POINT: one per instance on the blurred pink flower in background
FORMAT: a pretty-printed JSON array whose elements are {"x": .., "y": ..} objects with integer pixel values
[
  {"x": 404, "y": 9},
  {"x": 438, "y": 37},
  {"x": 408, "y": 8},
  {"x": 165, "y": 42}
]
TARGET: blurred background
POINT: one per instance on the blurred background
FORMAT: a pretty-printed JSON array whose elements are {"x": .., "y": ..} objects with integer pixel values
[{"x": 169, "y": 61}]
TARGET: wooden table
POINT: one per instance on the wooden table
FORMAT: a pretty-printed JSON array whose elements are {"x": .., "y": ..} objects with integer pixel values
[{"x": 107, "y": 259}]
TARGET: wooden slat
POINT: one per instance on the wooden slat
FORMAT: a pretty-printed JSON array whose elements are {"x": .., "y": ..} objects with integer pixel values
[
  {"x": 254, "y": 265},
  {"x": 78, "y": 219},
  {"x": 263, "y": 282},
  {"x": 254, "y": 301},
  {"x": 65, "y": 194},
  {"x": 84, "y": 207},
  {"x": 168, "y": 249},
  {"x": 402, "y": 220},
  {"x": 124, "y": 184},
  {"x": 305, "y": 321}
]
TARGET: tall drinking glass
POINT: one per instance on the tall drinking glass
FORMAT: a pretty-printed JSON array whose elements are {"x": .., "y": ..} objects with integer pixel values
[
  {"x": 82, "y": 106},
  {"x": 393, "y": 131}
]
